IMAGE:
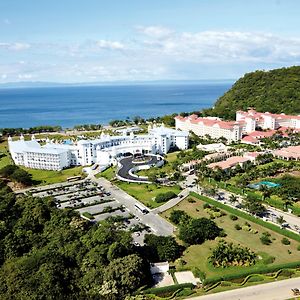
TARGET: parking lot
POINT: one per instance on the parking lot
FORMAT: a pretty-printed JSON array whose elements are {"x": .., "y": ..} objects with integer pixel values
[{"x": 90, "y": 198}]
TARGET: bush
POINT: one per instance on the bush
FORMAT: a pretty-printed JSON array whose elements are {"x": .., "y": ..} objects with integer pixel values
[
  {"x": 233, "y": 217},
  {"x": 206, "y": 205},
  {"x": 287, "y": 272},
  {"x": 237, "y": 227},
  {"x": 298, "y": 248},
  {"x": 265, "y": 238},
  {"x": 168, "y": 289},
  {"x": 191, "y": 200},
  {"x": 163, "y": 197},
  {"x": 178, "y": 216},
  {"x": 285, "y": 241},
  {"x": 88, "y": 215}
]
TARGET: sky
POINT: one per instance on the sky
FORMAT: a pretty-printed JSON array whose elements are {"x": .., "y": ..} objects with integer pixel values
[{"x": 144, "y": 40}]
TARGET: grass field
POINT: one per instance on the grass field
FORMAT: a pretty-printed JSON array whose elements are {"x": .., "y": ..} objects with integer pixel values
[
  {"x": 167, "y": 168},
  {"x": 108, "y": 174},
  {"x": 198, "y": 255},
  {"x": 44, "y": 177},
  {"x": 146, "y": 192},
  {"x": 5, "y": 159}
]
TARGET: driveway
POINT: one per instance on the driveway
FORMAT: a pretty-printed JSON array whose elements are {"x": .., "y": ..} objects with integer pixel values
[
  {"x": 279, "y": 290},
  {"x": 158, "y": 225}
]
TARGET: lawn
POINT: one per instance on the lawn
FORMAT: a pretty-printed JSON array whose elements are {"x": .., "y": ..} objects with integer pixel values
[
  {"x": 167, "y": 167},
  {"x": 197, "y": 256},
  {"x": 146, "y": 192},
  {"x": 5, "y": 159},
  {"x": 108, "y": 174},
  {"x": 44, "y": 177}
]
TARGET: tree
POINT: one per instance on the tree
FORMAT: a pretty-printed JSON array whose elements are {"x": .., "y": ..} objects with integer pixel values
[
  {"x": 254, "y": 206},
  {"x": 179, "y": 216},
  {"x": 126, "y": 274},
  {"x": 233, "y": 198},
  {"x": 198, "y": 231},
  {"x": 280, "y": 220},
  {"x": 162, "y": 248}
]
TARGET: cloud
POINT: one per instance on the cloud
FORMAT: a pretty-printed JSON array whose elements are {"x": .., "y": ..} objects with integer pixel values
[
  {"x": 17, "y": 46},
  {"x": 155, "y": 31},
  {"x": 155, "y": 53},
  {"x": 110, "y": 45}
]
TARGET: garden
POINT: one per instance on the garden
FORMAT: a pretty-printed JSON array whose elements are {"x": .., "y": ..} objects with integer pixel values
[{"x": 251, "y": 247}]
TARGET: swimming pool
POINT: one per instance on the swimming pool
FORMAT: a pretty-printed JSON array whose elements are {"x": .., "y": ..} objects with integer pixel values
[{"x": 268, "y": 184}]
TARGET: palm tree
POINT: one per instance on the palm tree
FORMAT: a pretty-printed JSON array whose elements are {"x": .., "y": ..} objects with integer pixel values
[{"x": 233, "y": 198}]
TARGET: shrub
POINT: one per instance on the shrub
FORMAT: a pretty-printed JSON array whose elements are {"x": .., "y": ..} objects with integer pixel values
[
  {"x": 285, "y": 241},
  {"x": 191, "y": 200},
  {"x": 228, "y": 254},
  {"x": 246, "y": 228},
  {"x": 88, "y": 215},
  {"x": 237, "y": 227},
  {"x": 233, "y": 217},
  {"x": 265, "y": 238},
  {"x": 298, "y": 248},
  {"x": 255, "y": 278},
  {"x": 163, "y": 197},
  {"x": 269, "y": 260},
  {"x": 178, "y": 216},
  {"x": 168, "y": 289},
  {"x": 206, "y": 205},
  {"x": 287, "y": 273}
]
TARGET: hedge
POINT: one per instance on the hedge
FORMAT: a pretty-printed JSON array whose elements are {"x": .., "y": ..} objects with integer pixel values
[
  {"x": 248, "y": 217},
  {"x": 168, "y": 289},
  {"x": 255, "y": 270},
  {"x": 88, "y": 215}
]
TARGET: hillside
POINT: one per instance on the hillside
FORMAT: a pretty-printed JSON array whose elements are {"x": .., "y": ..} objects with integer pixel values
[{"x": 275, "y": 91}]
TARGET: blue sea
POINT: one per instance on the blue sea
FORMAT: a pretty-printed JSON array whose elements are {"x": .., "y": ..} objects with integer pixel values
[{"x": 73, "y": 105}]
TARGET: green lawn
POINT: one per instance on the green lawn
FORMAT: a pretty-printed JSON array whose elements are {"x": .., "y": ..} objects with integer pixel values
[
  {"x": 108, "y": 174},
  {"x": 146, "y": 192},
  {"x": 197, "y": 255},
  {"x": 4, "y": 160},
  {"x": 167, "y": 168},
  {"x": 44, "y": 177}
]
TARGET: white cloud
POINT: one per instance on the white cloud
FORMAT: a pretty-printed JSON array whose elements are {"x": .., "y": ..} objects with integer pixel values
[
  {"x": 110, "y": 45},
  {"x": 25, "y": 76},
  {"x": 155, "y": 31},
  {"x": 17, "y": 46}
]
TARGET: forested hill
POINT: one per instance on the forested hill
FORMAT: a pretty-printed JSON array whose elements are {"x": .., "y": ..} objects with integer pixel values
[{"x": 275, "y": 91}]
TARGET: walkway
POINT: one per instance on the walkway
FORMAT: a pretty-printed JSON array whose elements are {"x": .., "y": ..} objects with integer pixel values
[{"x": 279, "y": 290}]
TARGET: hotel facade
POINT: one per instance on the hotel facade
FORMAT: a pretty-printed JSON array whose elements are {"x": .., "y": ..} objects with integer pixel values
[
  {"x": 103, "y": 151},
  {"x": 245, "y": 123}
]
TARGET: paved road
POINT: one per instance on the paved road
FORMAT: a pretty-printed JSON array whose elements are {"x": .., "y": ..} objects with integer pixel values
[
  {"x": 127, "y": 165},
  {"x": 279, "y": 290},
  {"x": 293, "y": 220},
  {"x": 157, "y": 223}
]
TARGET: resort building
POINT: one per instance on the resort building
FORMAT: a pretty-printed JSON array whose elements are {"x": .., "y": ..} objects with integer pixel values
[
  {"x": 233, "y": 161},
  {"x": 253, "y": 119},
  {"x": 288, "y": 153},
  {"x": 246, "y": 123},
  {"x": 103, "y": 151},
  {"x": 214, "y": 127}
]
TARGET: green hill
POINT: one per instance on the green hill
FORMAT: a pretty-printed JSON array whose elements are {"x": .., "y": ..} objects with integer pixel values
[{"x": 275, "y": 91}]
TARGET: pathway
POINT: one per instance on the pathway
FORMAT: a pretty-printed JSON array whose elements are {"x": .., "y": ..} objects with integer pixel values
[{"x": 279, "y": 290}]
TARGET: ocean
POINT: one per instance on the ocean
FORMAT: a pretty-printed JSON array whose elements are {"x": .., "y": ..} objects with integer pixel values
[{"x": 73, "y": 105}]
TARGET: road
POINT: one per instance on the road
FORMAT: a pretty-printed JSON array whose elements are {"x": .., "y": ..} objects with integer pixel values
[
  {"x": 279, "y": 290},
  {"x": 157, "y": 223},
  {"x": 274, "y": 213}
]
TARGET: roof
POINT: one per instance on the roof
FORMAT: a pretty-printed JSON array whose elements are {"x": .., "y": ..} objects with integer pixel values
[
  {"x": 33, "y": 146},
  {"x": 229, "y": 162}
]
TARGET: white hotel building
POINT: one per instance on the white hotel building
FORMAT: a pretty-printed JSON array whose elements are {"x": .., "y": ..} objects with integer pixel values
[
  {"x": 103, "y": 151},
  {"x": 245, "y": 123}
]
